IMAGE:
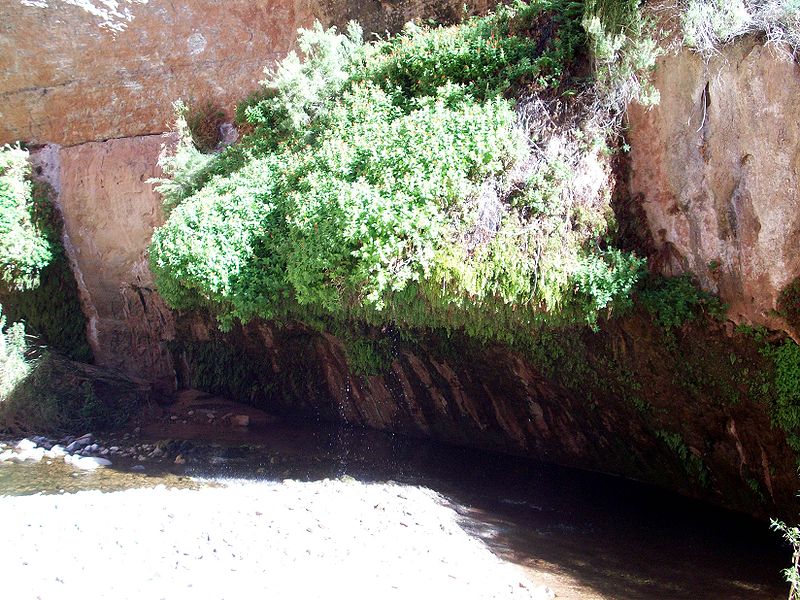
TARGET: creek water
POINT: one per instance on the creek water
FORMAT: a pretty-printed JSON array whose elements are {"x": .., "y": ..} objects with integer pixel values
[{"x": 584, "y": 535}]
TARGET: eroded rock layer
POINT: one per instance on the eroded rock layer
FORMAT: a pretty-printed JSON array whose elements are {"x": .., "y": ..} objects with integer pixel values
[
  {"x": 109, "y": 210},
  {"x": 631, "y": 400}
]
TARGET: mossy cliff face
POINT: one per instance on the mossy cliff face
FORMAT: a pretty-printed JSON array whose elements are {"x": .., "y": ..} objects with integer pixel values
[{"x": 683, "y": 408}]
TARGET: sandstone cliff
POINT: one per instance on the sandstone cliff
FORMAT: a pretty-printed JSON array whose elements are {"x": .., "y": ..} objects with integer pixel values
[
  {"x": 716, "y": 167},
  {"x": 73, "y": 71}
]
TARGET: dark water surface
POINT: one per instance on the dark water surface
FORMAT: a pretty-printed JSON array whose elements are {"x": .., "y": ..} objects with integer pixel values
[{"x": 585, "y": 535}]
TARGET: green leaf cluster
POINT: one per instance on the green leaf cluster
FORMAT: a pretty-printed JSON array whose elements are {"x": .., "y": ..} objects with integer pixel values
[
  {"x": 673, "y": 301},
  {"x": 24, "y": 245},
  {"x": 13, "y": 365},
  {"x": 380, "y": 183}
]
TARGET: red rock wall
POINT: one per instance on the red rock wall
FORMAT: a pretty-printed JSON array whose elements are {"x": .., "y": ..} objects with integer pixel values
[
  {"x": 73, "y": 71},
  {"x": 110, "y": 210},
  {"x": 716, "y": 166}
]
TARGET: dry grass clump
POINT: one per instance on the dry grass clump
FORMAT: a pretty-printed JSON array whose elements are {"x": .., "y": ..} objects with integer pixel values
[{"x": 709, "y": 23}]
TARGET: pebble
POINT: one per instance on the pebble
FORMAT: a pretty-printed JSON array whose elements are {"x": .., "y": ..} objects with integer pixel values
[
  {"x": 138, "y": 468},
  {"x": 179, "y": 460}
]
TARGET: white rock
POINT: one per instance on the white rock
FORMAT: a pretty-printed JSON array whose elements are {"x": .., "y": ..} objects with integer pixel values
[
  {"x": 7, "y": 455},
  {"x": 26, "y": 444},
  {"x": 89, "y": 463},
  {"x": 56, "y": 451},
  {"x": 34, "y": 454}
]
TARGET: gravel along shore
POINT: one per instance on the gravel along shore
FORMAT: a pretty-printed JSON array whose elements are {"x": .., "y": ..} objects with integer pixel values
[{"x": 323, "y": 539}]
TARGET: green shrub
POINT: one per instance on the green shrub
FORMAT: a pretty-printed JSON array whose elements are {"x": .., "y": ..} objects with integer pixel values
[
  {"x": 624, "y": 51},
  {"x": 50, "y": 310},
  {"x": 59, "y": 395},
  {"x": 483, "y": 56},
  {"x": 14, "y": 367},
  {"x": 673, "y": 301},
  {"x": 399, "y": 183},
  {"x": 789, "y": 303},
  {"x": 791, "y": 573},
  {"x": 41, "y": 391},
  {"x": 24, "y": 246},
  {"x": 786, "y": 404},
  {"x": 692, "y": 464}
]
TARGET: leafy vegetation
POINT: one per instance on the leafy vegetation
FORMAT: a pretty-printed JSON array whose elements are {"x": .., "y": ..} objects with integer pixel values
[
  {"x": 692, "y": 463},
  {"x": 785, "y": 390},
  {"x": 39, "y": 390},
  {"x": 789, "y": 303},
  {"x": 50, "y": 309},
  {"x": 673, "y": 301},
  {"x": 42, "y": 391},
  {"x": 13, "y": 365},
  {"x": 415, "y": 182},
  {"x": 791, "y": 573},
  {"x": 24, "y": 245}
]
